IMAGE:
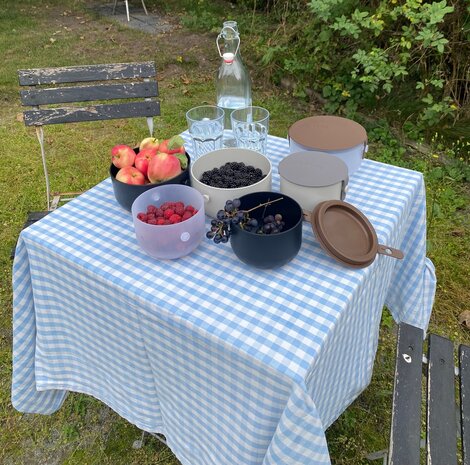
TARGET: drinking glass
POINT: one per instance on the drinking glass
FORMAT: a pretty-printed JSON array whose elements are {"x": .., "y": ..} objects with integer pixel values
[
  {"x": 206, "y": 127},
  {"x": 250, "y": 126}
]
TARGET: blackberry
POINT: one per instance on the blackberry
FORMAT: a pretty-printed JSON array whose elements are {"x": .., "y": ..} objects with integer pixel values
[{"x": 232, "y": 175}]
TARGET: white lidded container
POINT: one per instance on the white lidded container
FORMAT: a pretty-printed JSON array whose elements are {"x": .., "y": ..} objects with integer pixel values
[
  {"x": 313, "y": 177},
  {"x": 330, "y": 134}
]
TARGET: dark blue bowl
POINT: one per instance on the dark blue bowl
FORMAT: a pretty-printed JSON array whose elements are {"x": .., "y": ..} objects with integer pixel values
[
  {"x": 267, "y": 251},
  {"x": 126, "y": 193}
]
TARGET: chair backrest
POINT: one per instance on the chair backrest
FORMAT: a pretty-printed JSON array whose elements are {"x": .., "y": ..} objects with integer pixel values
[
  {"x": 48, "y": 88},
  {"x": 37, "y": 95}
]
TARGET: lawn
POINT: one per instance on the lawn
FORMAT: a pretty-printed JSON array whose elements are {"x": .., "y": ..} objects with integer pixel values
[{"x": 55, "y": 33}]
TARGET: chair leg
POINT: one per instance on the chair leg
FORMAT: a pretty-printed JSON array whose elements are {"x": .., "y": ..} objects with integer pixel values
[
  {"x": 114, "y": 6},
  {"x": 145, "y": 9},
  {"x": 127, "y": 10},
  {"x": 379, "y": 455},
  {"x": 40, "y": 136},
  {"x": 138, "y": 443}
]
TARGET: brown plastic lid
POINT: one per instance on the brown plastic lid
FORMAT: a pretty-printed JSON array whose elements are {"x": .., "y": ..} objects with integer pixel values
[
  {"x": 313, "y": 169},
  {"x": 327, "y": 133},
  {"x": 347, "y": 235}
]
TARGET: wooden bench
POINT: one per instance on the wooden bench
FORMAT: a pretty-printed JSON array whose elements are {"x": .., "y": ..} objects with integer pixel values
[{"x": 447, "y": 419}]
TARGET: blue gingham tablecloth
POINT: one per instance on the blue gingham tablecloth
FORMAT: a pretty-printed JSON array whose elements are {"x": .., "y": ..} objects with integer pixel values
[{"x": 230, "y": 363}]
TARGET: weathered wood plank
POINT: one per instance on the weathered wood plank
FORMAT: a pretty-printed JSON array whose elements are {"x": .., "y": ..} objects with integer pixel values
[
  {"x": 441, "y": 418},
  {"x": 464, "y": 365},
  {"x": 91, "y": 113},
  {"x": 406, "y": 410},
  {"x": 88, "y": 93},
  {"x": 38, "y": 76}
]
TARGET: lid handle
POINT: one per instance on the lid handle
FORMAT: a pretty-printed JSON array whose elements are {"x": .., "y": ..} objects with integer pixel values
[
  {"x": 390, "y": 251},
  {"x": 344, "y": 187}
]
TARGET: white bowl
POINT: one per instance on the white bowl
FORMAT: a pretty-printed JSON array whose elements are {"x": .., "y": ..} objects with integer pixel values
[{"x": 215, "y": 197}]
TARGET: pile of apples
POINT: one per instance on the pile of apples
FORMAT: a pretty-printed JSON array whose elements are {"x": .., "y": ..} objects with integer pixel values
[{"x": 154, "y": 163}]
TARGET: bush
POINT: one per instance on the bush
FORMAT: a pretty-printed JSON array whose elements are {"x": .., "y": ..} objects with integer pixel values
[{"x": 359, "y": 53}]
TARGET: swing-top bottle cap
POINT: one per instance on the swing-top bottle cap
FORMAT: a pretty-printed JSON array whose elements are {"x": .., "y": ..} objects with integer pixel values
[{"x": 228, "y": 57}]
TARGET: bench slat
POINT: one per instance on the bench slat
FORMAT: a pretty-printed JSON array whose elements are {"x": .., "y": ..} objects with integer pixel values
[
  {"x": 88, "y": 93},
  {"x": 406, "y": 410},
  {"x": 91, "y": 113},
  {"x": 38, "y": 76},
  {"x": 464, "y": 365},
  {"x": 441, "y": 421}
]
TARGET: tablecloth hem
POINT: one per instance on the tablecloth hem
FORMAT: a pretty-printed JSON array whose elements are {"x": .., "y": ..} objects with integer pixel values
[
  {"x": 78, "y": 388},
  {"x": 420, "y": 319}
]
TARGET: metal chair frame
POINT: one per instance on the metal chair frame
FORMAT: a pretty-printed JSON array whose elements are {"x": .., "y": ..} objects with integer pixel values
[{"x": 127, "y": 8}]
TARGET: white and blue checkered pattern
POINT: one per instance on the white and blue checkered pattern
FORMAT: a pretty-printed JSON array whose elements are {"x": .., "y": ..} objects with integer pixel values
[{"x": 230, "y": 363}]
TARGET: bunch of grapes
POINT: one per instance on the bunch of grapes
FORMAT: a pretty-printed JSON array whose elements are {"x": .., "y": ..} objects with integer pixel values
[{"x": 231, "y": 216}]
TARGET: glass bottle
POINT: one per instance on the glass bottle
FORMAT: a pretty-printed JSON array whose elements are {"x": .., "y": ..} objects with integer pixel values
[{"x": 233, "y": 84}]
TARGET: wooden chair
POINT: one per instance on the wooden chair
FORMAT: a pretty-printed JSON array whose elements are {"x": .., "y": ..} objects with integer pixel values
[
  {"x": 447, "y": 420},
  {"x": 121, "y": 81},
  {"x": 47, "y": 88}
]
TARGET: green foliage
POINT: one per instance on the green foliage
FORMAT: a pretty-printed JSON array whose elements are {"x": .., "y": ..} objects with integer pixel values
[
  {"x": 202, "y": 15},
  {"x": 357, "y": 53}
]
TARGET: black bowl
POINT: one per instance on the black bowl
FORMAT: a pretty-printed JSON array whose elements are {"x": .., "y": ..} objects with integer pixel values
[
  {"x": 126, "y": 193},
  {"x": 269, "y": 250}
]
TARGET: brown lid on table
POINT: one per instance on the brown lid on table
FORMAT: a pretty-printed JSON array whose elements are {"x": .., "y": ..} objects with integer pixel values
[
  {"x": 327, "y": 133},
  {"x": 313, "y": 169},
  {"x": 345, "y": 233}
]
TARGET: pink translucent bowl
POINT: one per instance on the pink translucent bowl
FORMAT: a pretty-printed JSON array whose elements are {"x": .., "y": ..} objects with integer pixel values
[{"x": 173, "y": 240}]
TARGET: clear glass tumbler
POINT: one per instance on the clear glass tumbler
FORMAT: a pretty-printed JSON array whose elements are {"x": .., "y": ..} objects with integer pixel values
[
  {"x": 206, "y": 127},
  {"x": 250, "y": 126}
]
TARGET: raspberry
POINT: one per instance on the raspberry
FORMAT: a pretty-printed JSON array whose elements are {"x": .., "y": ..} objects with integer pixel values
[
  {"x": 179, "y": 209},
  {"x": 160, "y": 220},
  {"x": 158, "y": 212},
  {"x": 154, "y": 221},
  {"x": 175, "y": 218},
  {"x": 151, "y": 209},
  {"x": 142, "y": 217},
  {"x": 167, "y": 222},
  {"x": 150, "y": 216},
  {"x": 186, "y": 215},
  {"x": 168, "y": 212},
  {"x": 165, "y": 206},
  {"x": 179, "y": 204},
  {"x": 189, "y": 208}
]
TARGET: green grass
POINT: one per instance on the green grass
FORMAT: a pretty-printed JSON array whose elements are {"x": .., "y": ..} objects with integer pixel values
[{"x": 85, "y": 431}]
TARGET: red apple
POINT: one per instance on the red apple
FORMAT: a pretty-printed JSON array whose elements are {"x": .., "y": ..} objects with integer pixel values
[
  {"x": 179, "y": 150},
  {"x": 163, "y": 166},
  {"x": 149, "y": 142},
  {"x": 122, "y": 155},
  {"x": 163, "y": 147},
  {"x": 130, "y": 175},
  {"x": 143, "y": 158}
]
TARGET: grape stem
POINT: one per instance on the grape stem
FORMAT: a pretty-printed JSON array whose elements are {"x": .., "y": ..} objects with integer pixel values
[{"x": 265, "y": 204}]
